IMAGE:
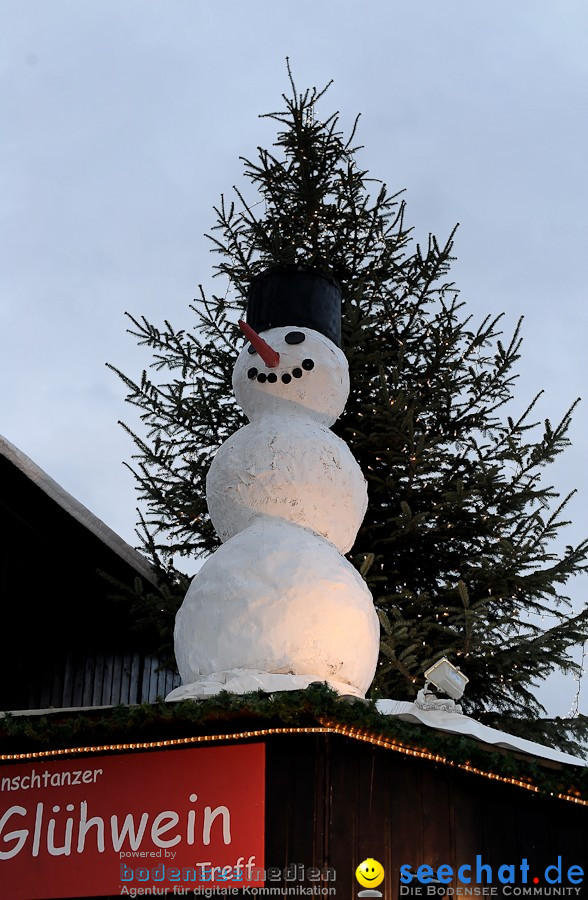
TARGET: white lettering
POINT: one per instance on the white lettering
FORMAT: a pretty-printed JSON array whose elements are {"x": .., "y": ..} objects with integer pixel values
[
  {"x": 209, "y": 817},
  {"x": 47, "y": 778},
  {"x": 19, "y": 836},
  {"x": 37, "y": 832},
  {"x": 158, "y": 828},
  {"x": 65, "y": 849},
  {"x": 86, "y": 824},
  {"x": 191, "y": 820},
  {"x": 77, "y": 831},
  {"x": 128, "y": 828}
]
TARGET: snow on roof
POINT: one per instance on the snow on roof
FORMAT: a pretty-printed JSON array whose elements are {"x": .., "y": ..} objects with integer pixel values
[
  {"x": 76, "y": 509},
  {"x": 460, "y": 724}
]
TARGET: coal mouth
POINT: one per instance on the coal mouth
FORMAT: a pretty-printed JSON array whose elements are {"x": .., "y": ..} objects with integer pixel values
[{"x": 286, "y": 377}]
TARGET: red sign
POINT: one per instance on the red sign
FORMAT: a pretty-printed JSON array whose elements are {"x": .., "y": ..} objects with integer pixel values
[{"x": 105, "y": 824}]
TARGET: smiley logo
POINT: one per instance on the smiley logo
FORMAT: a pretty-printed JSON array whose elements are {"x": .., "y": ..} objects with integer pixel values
[{"x": 370, "y": 873}]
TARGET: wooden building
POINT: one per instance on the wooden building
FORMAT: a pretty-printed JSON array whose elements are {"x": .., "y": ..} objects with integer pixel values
[
  {"x": 312, "y": 783},
  {"x": 66, "y": 641}
]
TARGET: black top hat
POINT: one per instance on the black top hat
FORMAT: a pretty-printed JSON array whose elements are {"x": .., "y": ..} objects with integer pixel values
[{"x": 288, "y": 295}]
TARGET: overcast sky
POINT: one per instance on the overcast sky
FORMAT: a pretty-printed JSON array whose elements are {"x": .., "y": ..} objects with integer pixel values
[{"x": 122, "y": 121}]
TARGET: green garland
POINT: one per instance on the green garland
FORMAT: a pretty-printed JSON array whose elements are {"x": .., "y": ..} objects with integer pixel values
[{"x": 238, "y": 713}]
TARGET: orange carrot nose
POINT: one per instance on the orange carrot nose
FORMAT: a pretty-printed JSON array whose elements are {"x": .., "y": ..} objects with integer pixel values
[{"x": 270, "y": 356}]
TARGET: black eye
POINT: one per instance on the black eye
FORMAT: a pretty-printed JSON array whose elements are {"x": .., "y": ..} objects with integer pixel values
[
  {"x": 252, "y": 373},
  {"x": 307, "y": 364},
  {"x": 251, "y": 349},
  {"x": 294, "y": 337},
  {"x": 272, "y": 377}
]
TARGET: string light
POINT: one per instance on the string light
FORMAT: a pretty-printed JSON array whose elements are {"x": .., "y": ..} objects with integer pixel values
[
  {"x": 327, "y": 727},
  {"x": 575, "y": 710}
]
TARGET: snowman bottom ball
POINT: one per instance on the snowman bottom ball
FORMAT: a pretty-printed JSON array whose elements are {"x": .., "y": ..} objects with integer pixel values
[{"x": 277, "y": 598}]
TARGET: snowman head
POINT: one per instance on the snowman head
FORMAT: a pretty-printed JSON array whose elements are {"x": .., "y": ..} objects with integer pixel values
[{"x": 291, "y": 371}]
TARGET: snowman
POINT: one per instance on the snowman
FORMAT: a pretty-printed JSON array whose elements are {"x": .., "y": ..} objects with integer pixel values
[{"x": 278, "y": 605}]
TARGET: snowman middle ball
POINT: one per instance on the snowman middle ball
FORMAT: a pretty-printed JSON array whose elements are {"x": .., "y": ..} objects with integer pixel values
[{"x": 289, "y": 468}]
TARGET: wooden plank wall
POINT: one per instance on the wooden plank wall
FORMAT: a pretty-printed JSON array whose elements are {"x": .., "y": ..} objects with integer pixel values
[
  {"x": 332, "y": 802},
  {"x": 102, "y": 679}
]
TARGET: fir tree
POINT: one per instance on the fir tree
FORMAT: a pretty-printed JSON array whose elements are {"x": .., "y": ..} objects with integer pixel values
[{"x": 457, "y": 545}]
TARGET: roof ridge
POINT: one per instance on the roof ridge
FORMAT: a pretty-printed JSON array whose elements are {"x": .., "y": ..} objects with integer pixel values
[{"x": 76, "y": 509}]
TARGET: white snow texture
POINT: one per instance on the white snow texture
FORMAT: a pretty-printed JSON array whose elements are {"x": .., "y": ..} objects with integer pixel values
[
  {"x": 277, "y": 598},
  {"x": 290, "y": 468}
]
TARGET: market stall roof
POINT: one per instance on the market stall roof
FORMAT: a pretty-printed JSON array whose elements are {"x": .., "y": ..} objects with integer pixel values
[
  {"x": 76, "y": 509},
  {"x": 315, "y": 711},
  {"x": 66, "y": 589},
  {"x": 456, "y": 723},
  {"x": 437, "y": 720}
]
